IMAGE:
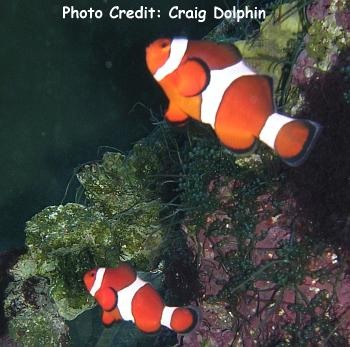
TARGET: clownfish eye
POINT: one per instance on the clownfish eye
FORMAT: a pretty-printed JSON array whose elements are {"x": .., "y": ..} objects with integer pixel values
[
  {"x": 164, "y": 44},
  {"x": 92, "y": 274}
]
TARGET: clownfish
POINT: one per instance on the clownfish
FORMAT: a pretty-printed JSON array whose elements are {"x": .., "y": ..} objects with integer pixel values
[
  {"x": 210, "y": 82},
  {"x": 122, "y": 295}
]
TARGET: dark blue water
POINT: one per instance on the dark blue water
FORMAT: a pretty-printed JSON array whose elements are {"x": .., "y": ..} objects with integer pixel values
[{"x": 67, "y": 88}]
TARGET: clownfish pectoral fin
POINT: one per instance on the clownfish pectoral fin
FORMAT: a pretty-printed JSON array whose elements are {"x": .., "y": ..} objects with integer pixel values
[
  {"x": 292, "y": 139},
  {"x": 235, "y": 140},
  {"x": 107, "y": 298},
  {"x": 110, "y": 317},
  {"x": 175, "y": 115},
  {"x": 192, "y": 77}
]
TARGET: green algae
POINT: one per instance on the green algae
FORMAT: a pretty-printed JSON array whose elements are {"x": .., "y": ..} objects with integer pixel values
[
  {"x": 64, "y": 242},
  {"x": 34, "y": 317},
  {"x": 326, "y": 39},
  {"x": 120, "y": 221},
  {"x": 268, "y": 51},
  {"x": 120, "y": 187},
  {"x": 119, "y": 183}
]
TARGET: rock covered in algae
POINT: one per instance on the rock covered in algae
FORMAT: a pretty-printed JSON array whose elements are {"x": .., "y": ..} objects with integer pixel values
[
  {"x": 63, "y": 242},
  {"x": 34, "y": 320},
  {"x": 120, "y": 187},
  {"x": 267, "y": 52},
  {"x": 120, "y": 222},
  {"x": 327, "y": 36},
  {"x": 120, "y": 183},
  {"x": 267, "y": 281}
]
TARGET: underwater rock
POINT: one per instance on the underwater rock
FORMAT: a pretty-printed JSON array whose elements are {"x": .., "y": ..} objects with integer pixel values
[
  {"x": 33, "y": 316},
  {"x": 63, "y": 242},
  {"x": 289, "y": 289},
  {"x": 119, "y": 188},
  {"x": 121, "y": 222},
  {"x": 119, "y": 183},
  {"x": 327, "y": 36},
  {"x": 267, "y": 51},
  {"x": 216, "y": 329},
  {"x": 7, "y": 342}
]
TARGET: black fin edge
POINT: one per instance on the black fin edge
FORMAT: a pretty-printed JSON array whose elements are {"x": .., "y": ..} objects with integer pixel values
[
  {"x": 177, "y": 124},
  {"x": 242, "y": 152},
  {"x": 197, "y": 314},
  {"x": 298, "y": 160}
]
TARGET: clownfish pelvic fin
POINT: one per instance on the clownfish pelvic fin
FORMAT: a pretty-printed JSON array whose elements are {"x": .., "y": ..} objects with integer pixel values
[
  {"x": 175, "y": 115},
  {"x": 109, "y": 317}
]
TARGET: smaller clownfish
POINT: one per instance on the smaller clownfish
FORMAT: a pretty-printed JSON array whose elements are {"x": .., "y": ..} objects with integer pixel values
[
  {"x": 122, "y": 295},
  {"x": 210, "y": 83}
]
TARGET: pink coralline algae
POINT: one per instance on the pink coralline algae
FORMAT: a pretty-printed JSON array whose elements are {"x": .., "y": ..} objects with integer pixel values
[
  {"x": 327, "y": 36},
  {"x": 212, "y": 274},
  {"x": 303, "y": 69},
  {"x": 318, "y": 10},
  {"x": 343, "y": 19},
  {"x": 215, "y": 329},
  {"x": 270, "y": 306}
]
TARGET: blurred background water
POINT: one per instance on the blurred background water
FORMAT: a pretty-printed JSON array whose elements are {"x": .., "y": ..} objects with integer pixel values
[{"x": 67, "y": 88}]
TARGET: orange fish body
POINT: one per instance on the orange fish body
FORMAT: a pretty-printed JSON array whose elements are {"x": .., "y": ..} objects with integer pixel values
[
  {"x": 122, "y": 295},
  {"x": 211, "y": 83}
]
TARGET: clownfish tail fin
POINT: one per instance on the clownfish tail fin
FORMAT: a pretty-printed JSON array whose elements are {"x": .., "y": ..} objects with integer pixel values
[
  {"x": 292, "y": 139},
  {"x": 182, "y": 320}
]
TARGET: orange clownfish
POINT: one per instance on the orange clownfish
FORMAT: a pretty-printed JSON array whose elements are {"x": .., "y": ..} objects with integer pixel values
[
  {"x": 211, "y": 83},
  {"x": 122, "y": 295}
]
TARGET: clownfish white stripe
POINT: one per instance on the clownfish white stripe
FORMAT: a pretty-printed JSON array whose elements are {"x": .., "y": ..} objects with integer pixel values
[
  {"x": 272, "y": 126},
  {"x": 125, "y": 297},
  {"x": 177, "y": 51},
  {"x": 166, "y": 316},
  {"x": 220, "y": 80},
  {"x": 98, "y": 280}
]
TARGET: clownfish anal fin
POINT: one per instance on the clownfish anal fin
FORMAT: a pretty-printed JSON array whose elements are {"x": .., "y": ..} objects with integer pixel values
[
  {"x": 236, "y": 141},
  {"x": 243, "y": 151},
  {"x": 107, "y": 298},
  {"x": 192, "y": 77},
  {"x": 109, "y": 317},
  {"x": 175, "y": 115}
]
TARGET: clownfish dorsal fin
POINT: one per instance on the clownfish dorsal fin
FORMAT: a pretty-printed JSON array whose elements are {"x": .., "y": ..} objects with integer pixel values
[
  {"x": 122, "y": 276},
  {"x": 175, "y": 115},
  {"x": 192, "y": 77},
  {"x": 107, "y": 298}
]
